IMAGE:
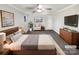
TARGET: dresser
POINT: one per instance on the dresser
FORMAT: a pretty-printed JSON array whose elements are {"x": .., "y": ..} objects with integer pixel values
[{"x": 69, "y": 36}]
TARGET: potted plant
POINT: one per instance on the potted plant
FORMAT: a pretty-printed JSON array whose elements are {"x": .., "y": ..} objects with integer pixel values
[{"x": 30, "y": 26}]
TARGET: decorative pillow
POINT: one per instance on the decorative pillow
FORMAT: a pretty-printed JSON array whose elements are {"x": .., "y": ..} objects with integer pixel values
[
  {"x": 17, "y": 32},
  {"x": 16, "y": 37},
  {"x": 8, "y": 38},
  {"x": 9, "y": 41}
]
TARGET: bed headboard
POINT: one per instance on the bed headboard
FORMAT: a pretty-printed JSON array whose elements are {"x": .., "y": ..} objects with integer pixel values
[{"x": 10, "y": 31}]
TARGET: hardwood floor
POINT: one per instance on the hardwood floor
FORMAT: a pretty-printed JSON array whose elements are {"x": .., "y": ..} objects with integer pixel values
[{"x": 58, "y": 40}]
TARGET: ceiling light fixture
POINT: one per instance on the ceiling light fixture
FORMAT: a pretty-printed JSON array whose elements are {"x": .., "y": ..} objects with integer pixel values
[{"x": 39, "y": 8}]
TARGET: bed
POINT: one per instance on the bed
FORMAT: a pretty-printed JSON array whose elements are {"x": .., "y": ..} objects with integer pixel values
[{"x": 31, "y": 44}]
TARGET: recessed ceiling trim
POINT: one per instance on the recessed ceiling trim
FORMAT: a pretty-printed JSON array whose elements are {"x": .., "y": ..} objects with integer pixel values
[
  {"x": 65, "y": 8},
  {"x": 18, "y": 9}
]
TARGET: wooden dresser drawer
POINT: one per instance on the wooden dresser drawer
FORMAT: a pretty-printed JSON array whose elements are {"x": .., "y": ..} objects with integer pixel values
[{"x": 69, "y": 37}]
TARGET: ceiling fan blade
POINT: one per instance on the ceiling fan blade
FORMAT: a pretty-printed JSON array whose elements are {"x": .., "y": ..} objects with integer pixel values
[
  {"x": 30, "y": 8},
  {"x": 48, "y": 8},
  {"x": 37, "y": 4},
  {"x": 33, "y": 11}
]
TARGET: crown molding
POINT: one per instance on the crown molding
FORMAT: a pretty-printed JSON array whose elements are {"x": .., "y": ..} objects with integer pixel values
[
  {"x": 24, "y": 12},
  {"x": 16, "y": 8},
  {"x": 65, "y": 8}
]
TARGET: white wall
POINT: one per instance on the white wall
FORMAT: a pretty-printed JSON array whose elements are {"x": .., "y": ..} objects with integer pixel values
[
  {"x": 47, "y": 22},
  {"x": 18, "y": 16},
  {"x": 59, "y": 18}
]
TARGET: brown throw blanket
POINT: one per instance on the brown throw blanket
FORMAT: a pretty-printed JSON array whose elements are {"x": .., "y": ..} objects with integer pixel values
[{"x": 31, "y": 42}]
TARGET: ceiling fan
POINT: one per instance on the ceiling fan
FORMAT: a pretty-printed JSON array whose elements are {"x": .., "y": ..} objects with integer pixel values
[{"x": 38, "y": 8}]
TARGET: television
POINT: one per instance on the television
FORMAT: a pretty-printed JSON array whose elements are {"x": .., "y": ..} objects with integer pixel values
[{"x": 71, "y": 20}]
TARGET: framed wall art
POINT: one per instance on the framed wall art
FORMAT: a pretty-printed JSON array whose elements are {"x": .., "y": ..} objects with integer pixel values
[
  {"x": 7, "y": 18},
  {"x": 38, "y": 19}
]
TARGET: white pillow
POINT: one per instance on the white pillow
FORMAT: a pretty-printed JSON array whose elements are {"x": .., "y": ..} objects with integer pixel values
[
  {"x": 16, "y": 37},
  {"x": 17, "y": 32},
  {"x": 9, "y": 36}
]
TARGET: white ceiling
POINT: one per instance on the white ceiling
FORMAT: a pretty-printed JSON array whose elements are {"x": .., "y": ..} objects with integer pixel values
[{"x": 55, "y": 7}]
